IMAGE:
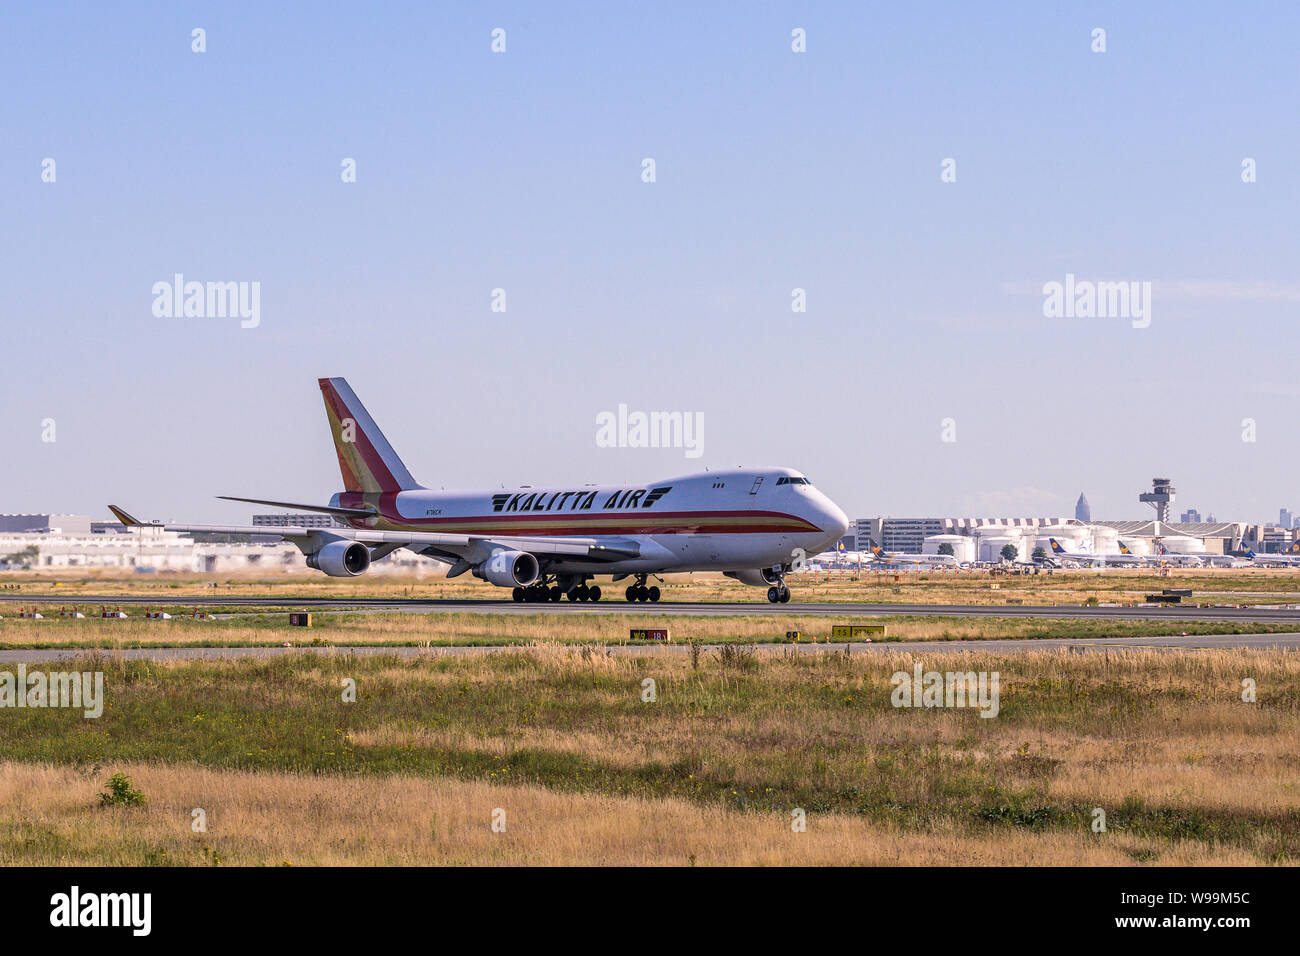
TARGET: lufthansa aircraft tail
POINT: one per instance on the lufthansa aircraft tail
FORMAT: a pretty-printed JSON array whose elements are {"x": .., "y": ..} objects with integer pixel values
[{"x": 367, "y": 461}]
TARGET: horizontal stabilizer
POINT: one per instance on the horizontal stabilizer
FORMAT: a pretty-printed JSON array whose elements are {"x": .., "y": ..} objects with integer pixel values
[{"x": 322, "y": 509}]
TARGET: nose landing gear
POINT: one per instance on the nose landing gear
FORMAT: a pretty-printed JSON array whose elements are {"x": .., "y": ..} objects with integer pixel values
[{"x": 779, "y": 593}]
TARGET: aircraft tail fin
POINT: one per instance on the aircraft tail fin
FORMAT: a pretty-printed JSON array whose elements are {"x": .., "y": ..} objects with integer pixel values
[
  {"x": 129, "y": 520},
  {"x": 368, "y": 462}
]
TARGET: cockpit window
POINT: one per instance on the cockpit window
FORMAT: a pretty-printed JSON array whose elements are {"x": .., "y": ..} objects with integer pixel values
[{"x": 793, "y": 481}]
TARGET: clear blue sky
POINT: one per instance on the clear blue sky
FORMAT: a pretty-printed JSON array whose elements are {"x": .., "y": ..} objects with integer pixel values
[{"x": 775, "y": 170}]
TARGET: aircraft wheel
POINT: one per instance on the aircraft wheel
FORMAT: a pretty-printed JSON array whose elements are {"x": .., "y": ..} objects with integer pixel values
[
  {"x": 653, "y": 594},
  {"x": 785, "y": 595},
  {"x": 556, "y": 593},
  {"x": 773, "y": 595},
  {"x": 574, "y": 595},
  {"x": 630, "y": 593},
  {"x": 642, "y": 593},
  {"x": 517, "y": 594},
  {"x": 594, "y": 593}
]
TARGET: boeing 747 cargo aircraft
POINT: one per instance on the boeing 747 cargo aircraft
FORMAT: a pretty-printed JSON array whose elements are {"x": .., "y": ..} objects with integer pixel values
[{"x": 545, "y": 543}]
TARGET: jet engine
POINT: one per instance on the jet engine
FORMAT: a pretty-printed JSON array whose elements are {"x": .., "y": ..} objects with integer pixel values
[
  {"x": 341, "y": 559},
  {"x": 509, "y": 569},
  {"x": 758, "y": 578}
]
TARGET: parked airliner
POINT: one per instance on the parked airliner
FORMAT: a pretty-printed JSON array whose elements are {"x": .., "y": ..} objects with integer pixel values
[
  {"x": 545, "y": 543},
  {"x": 1164, "y": 556},
  {"x": 1126, "y": 558},
  {"x": 1287, "y": 559},
  {"x": 898, "y": 558},
  {"x": 1086, "y": 557}
]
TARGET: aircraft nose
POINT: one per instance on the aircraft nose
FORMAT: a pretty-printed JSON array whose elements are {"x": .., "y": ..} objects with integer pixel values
[{"x": 833, "y": 520}]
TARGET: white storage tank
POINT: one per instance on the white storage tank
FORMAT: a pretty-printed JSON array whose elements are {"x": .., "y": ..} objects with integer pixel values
[
  {"x": 1136, "y": 545},
  {"x": 1072, "y": 537},
  {"x": 1183, "y": 544},
  {"x": 1104, "y": 540},
  {"x": 991, "y": 545},
  {"x": 1062, "y": 531},
  {"x": 963, "y": 548}
]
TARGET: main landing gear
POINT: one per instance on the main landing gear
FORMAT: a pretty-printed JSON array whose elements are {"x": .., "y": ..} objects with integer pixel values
[
  {"x": 547, "y": 590},
  {"x": 583, "y": 592},
  {"x": 536, "y": 592},
  {"x": 639, "y": 591}
]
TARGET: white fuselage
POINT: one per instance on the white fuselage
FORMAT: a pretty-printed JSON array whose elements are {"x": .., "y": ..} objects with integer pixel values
[
  {"x": 1118, "y": 560},
  {"x": 744, "y": 518},
  {"x": 933, "y": 560},
  {"x": 1275, "y": 560}
]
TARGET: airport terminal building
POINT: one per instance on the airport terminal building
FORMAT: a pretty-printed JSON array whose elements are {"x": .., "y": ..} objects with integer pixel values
[
  {"x": 982, "y": 539},
  {"x": 146, "y": 549}
]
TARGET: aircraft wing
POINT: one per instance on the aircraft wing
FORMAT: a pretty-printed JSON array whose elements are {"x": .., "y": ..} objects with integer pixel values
[{"x": 469, "y": 547}]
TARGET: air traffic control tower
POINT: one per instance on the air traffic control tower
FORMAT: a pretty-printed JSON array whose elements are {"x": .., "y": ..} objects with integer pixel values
[{"x": 1160, "y": 497}]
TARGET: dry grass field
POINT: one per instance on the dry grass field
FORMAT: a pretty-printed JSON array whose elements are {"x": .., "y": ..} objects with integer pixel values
[
  {"x": 710, "y": 771},
  {"x": 252, "y": 628},
  {"x": 51, "y": 817}
]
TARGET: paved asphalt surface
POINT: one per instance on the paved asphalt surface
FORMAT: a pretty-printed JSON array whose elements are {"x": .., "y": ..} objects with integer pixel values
[
  {"x": 1289, "y": 641},
  {"x": 848, "y": 610},
  {"x": 457, "y": 606}
]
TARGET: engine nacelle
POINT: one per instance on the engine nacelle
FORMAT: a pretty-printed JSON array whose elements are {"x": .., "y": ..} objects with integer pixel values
[
  {"x": 758, "y": 578},
  {"x": 509, "y": 569},
  {"x": 341, "y": 559}
]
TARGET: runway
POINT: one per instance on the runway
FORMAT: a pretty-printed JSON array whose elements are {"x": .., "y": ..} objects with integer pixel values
[
  {"x": 670, "y": 608},
  {"x": 1287, "y": 641}
]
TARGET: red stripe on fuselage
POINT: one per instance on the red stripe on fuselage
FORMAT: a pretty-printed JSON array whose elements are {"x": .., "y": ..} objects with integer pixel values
[{"x": 618, "y": 523}]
